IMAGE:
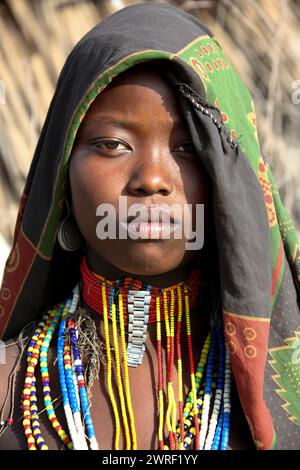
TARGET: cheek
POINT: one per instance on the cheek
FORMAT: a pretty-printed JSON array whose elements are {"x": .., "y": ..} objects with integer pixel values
[
  {"x": 197, "y": 185},
  {"x": 91, "y": 185},
  {"x": 198, "y": 190}
]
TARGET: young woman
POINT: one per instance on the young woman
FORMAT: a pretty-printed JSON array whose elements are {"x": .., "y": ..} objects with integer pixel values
[{"x": 150, "y": 342}]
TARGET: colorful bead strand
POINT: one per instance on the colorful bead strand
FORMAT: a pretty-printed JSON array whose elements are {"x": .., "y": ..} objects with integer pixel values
[
  {"x": 219, "y": 392},
  {"x": 170, "y": 360},
  {"x": 160, "y": 379},
  {"x": 81, "y": 385},
  {"x": 179, "y": 362},
  {"x": 29, "y": 386},
  {"x": 192, "y": 369},
  {"x": 46, "y": 379},
  {"x": 119, "y": 378},
  {"x": 126, "y": 375},
  {"x": 227, "y": 405},
  {"x": 109, "y": 371},
  {"x": 63, "y": 382}
]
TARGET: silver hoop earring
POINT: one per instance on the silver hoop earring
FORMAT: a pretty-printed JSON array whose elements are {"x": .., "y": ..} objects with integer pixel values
[{"x": 69, "y": 235}]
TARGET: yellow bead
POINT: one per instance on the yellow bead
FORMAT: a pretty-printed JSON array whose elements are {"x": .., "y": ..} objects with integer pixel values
[
  {"x": 27, "y": 431},
  {"x": 34, "y": 360},
  {"x": 51, "y": 415},
  {"x": 31, "y": 440},
  {"x": 188, "y": 440},
  {"x": 45, "y": 374},
  {"x": 26, "y": 422},
  {"x": 61, "y": 433},
  {"x": 36, "y": 431},
  {"x": 46, "y": 389},
  {"x": 26, "y": 402},
  {"x": 43, "y": 364},
  {"x": 55, "y": 423},
  {"x": 39, "y": 440},
  {"x": 166, "y": 448},
  {"x": 44, "y": 447}
]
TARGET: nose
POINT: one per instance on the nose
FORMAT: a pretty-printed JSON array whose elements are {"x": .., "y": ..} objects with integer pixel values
[{"x": 152, "y": 175}]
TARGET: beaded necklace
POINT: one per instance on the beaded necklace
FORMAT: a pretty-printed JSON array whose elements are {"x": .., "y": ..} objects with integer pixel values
[{"x": 201, "y": 422}]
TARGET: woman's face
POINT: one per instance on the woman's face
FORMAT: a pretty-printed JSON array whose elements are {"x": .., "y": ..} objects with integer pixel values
[{"x": 134, "y": 142}]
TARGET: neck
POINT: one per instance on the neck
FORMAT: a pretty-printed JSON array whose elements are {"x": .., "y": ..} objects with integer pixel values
[
  {"x": 98, "y": 291},
  {"x": 102, "y": 267}
]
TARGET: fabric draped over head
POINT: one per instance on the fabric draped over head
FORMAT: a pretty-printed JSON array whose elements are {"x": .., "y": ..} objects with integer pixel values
[{"x": 258, "y": 249}]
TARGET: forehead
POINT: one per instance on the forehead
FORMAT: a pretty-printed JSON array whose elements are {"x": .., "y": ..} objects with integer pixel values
[{"x": 138, "y": 90}]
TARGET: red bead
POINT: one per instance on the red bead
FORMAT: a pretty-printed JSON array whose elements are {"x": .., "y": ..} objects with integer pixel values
[{"x": 10, "y": 421}]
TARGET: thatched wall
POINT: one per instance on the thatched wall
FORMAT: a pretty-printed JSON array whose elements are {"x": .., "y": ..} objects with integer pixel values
[{"x": 261, "y": 37}]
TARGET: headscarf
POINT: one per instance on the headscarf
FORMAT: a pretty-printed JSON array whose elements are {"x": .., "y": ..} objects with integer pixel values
[{"x": 257, "y": 246}]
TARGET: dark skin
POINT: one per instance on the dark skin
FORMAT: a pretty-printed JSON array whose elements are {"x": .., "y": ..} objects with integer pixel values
[{"x": 152, "y": 162}]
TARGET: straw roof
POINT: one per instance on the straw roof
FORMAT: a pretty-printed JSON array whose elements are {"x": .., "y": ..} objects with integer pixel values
[{"x": 261, "y": 38}]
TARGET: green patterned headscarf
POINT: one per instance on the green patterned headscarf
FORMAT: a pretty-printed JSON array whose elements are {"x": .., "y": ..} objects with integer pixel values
[{"x": 258, "y": 250}]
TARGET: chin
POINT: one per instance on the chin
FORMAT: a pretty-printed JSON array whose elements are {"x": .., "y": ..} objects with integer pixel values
[{"x": 148, "y": 260}]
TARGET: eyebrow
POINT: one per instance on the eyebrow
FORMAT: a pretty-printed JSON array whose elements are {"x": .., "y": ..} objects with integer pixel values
[{"x": 127, "y": 124}]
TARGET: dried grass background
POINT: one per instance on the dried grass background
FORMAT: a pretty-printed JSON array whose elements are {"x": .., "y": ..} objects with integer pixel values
[{"x": 261, "y": 38}]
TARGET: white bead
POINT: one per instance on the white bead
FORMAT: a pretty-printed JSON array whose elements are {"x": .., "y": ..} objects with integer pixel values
[{"x": 94, "y": 444}]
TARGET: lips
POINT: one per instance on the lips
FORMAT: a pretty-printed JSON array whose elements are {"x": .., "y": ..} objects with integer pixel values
[
  {"x": 152, "y": 230},
  {"x": 155, "y": 216},
  {"x": 157, "y": 224}
]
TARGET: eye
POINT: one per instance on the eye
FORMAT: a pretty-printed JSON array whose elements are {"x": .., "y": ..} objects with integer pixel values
[
  {"x": 110, "y": 145},
  {"x": 185, "y": 147}
]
